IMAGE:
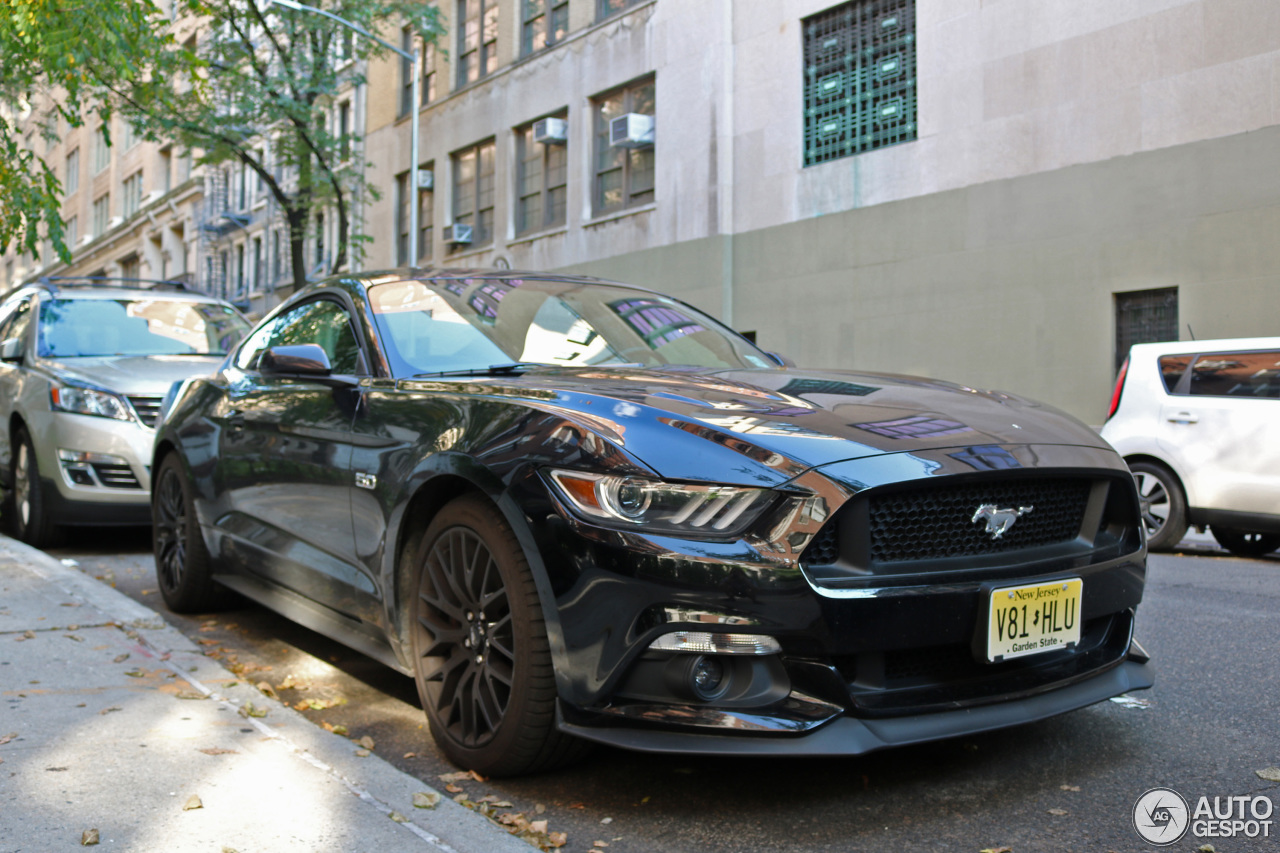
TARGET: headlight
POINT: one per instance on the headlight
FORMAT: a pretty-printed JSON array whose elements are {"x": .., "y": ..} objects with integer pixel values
[
  {"x": 657, "y": 507},
  {"x": 89, "y": 401}
]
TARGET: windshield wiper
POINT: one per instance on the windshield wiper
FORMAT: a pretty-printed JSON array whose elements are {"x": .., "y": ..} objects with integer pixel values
[{"x": 511, "y": 369}]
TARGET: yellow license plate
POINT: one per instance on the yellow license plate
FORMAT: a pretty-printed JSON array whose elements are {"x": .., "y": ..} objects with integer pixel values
[{"x": 1028, "y": 620}]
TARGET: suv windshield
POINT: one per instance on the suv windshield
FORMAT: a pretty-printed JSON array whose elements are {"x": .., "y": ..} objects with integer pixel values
[
  {"x": 471, "y": 324},
  {"x": 71, "y": 328}
]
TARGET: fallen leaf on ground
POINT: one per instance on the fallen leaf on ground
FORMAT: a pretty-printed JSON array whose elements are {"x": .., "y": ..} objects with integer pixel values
[
  {"x": 363, "y": 753},
  {"x": 539, "y": 808},
  {"x": 366, "y": 742},
  {"x": 291, "y": 683},
  {"x": 1206, "y": 848},
  {"x": 477, "y": 776},
  {"x": 74, "y": 637},
  {"x": 411, "y": 755},
  {"x": 538, "y": 826},
  {"x": 89, "y": 838},
  {"x": 251, "y": 710},
  {"x": 318, "y": 704},
  {"x": 136, "y": 673},
  {"x": 338, "y": 729},
  {"x": 996, "y": 850},
  {"x": 267, "y": 690},
  {"x": 453, "y": 789},
  {"x": 576, "y": 806},
  {"x": 106, "y": 711},
  {"x": 607, "y": 820},
  {"x": 29, "y": 635},
  {"x": 1058, "y": 812},
  {"x": 190, "y": 694},
  {"x": 495, "y": 801},
  {"x": 398, "y": 818},
  {"x": 426, "y": 800},
  {"x": 207, "y": 642},
  {"x": 599, "y": 843},
  {"x": 455, "y": 777},
  {"x": 193, "y": 802},
  {"x": 6, "y": 738},
  {"x": 1069, "y": 787},
  {"x": 557, "y": 839},
  {"x": 217, "y": 750},
  {"x": 121, "y": 658},
  {"x": 1271, "y": 774}
]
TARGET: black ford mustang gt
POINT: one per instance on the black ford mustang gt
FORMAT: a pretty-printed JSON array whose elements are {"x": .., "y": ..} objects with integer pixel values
[{"x": 577, "y": 511}]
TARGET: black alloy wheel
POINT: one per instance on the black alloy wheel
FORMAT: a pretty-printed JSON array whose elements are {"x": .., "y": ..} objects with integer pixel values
[
  {"x": 183, "y": 569},
  {"x": 31, "y": 520},
  {"x": 481, "y": 656},
  {"x": 1164, "y": 509},
  {"x": 1245, "y": 544}
]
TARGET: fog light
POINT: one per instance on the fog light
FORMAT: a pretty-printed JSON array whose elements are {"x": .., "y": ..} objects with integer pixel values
[
  {"x": 707, "y": 677},
  {"x": 703, "y": 678}
]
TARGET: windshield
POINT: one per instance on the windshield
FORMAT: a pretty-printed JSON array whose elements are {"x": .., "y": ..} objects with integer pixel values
[
  {"x": 471, "y": 324},
  {"x": 71, "y": 328}
]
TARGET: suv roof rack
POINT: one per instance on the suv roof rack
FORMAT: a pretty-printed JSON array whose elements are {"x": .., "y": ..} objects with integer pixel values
[{"x": 54, "y": 282}]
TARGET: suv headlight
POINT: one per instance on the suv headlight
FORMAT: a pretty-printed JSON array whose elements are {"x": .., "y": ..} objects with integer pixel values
[
  {"x": 89, "y": 401},
  {"x": 628, "y": 502}
]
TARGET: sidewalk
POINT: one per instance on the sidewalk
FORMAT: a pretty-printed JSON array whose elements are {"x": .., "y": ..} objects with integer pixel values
[{"x": 111, "y": 720}]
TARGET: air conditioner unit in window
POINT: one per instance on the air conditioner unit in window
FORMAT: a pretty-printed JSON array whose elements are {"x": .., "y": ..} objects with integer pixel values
[
  {"x": 457, "y": 234},
  {"x": 114, "y": 221},
  {"x": 633, "y": 130},
  {"x": 551, "y": 131},
  {"x": 426, "y": 179}
]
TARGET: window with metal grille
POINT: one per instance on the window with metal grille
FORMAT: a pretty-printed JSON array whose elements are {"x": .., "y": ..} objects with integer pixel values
[
  {"x": 473, "y": 176},
  {"x": 859, "y": 78},
  {"x": 546, "y": 22},
  {"x": 1144, "y": 317},
  {"x": 541, "y": 176}
]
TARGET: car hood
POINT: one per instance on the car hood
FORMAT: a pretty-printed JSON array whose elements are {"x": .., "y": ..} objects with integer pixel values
[
  {"x": 781, "y": 422},
  {"x": 133, "y": 374}
]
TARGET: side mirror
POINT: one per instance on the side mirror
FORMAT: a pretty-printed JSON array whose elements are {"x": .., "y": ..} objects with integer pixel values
[
  {"x": 781, "y": 359},
  {"x": 11, "y": 351},
  {"x": 307, "y": 360}
]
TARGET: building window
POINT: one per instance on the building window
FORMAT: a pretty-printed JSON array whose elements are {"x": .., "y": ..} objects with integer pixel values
[
  {"x": 546, "y": 22},
  {"x": 242, "y": 186},
  {"x": 477, "y": 39},
  {"x": 1144, "y": 317},
  {"x": 612, "y": 7},
  {"x": 128, "y": 136},
  {"x": 406, "y": 73},
  {"x": 72, "y": 232},
  {"x": 402, "y": 219},
  {"x": 541, "y": 175},
  {"x": 73, "y": 171},
  {"x": 428, "y": 72},
  {"x": 859, "y": 78},
  {"x": 320, "y": 235},
  {"x": 101, "y": 213},
  {"x": 426, "y": 217},
  {"x": 101, "y": 150},
  {"x": 131, "y": 194},
  {"x": 277, "y": 256},
  {"x": 623, "y": 175},
  {"x": 473, "y": 191},
  {"x": 344, "y": 131}
]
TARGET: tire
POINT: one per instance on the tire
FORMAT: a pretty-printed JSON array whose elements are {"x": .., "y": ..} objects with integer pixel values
[
  {"x": 1164, "y": 507},
  {"x": 1245, "y": 544},
  {"x": 183, "y": 566},
  {"x": 31, "y": 520},
  {"x": 482, "y": 661}
]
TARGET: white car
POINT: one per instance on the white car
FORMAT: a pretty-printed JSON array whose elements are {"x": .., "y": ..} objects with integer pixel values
[{"x": 1199, "y": 424}]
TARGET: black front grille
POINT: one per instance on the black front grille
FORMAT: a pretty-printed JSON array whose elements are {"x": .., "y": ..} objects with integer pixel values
[
  {"x": 147, "y": 407},
  {"x": 938, "y": 522},
  {"x": 116, "y": 476}
]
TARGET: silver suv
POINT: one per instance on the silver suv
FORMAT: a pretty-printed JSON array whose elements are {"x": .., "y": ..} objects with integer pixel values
[
  {"x": 1199, "y": 424},
  {"x": 84, "y": 365}
]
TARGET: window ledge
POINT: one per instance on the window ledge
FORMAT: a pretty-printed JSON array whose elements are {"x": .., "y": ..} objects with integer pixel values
[
  {"x": 470, "y": 251},
  {"x": 538, "y": 235},
  {"x": 620, "y": 214}
]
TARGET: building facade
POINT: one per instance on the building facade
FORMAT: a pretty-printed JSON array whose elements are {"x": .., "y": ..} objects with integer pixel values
[{"x": 1005, "y": 193}]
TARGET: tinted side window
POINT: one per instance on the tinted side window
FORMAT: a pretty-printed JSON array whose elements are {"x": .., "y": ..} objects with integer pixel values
[
  {"x": 15, "y": 325},
  {"x": 321, "y": 322},
  {"x": 1237, "y": 374},
  {"x": 1172, "y": 367}
]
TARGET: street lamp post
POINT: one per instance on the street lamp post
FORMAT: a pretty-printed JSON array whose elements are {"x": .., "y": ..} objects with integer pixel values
[{"x": 413, "y": 58}]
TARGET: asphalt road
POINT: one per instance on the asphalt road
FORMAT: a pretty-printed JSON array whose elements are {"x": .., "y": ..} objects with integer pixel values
[{"x": 1211, "y": 622}]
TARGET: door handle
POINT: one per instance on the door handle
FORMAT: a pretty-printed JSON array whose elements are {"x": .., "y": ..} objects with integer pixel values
[{"x": 1183, "y": 418}]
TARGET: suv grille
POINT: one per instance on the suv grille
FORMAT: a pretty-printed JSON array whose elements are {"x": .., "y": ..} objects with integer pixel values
[
  {"x": 116, "y": 476},
  {"x": 935, "y": 523},
  {"x": 147, "y": 407}
]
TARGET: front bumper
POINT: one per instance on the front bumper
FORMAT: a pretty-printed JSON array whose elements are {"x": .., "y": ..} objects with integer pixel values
[{"x": 845, "y": 735}]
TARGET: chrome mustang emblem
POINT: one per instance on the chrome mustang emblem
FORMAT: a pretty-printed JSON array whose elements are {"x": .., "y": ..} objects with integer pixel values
[{"x": 999, "y": 519}]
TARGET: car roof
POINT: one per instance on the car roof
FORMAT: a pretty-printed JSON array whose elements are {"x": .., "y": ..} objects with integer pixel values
[
  {"x": 1214, "y": 345},
  {"x": 104, "y": 288}
]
